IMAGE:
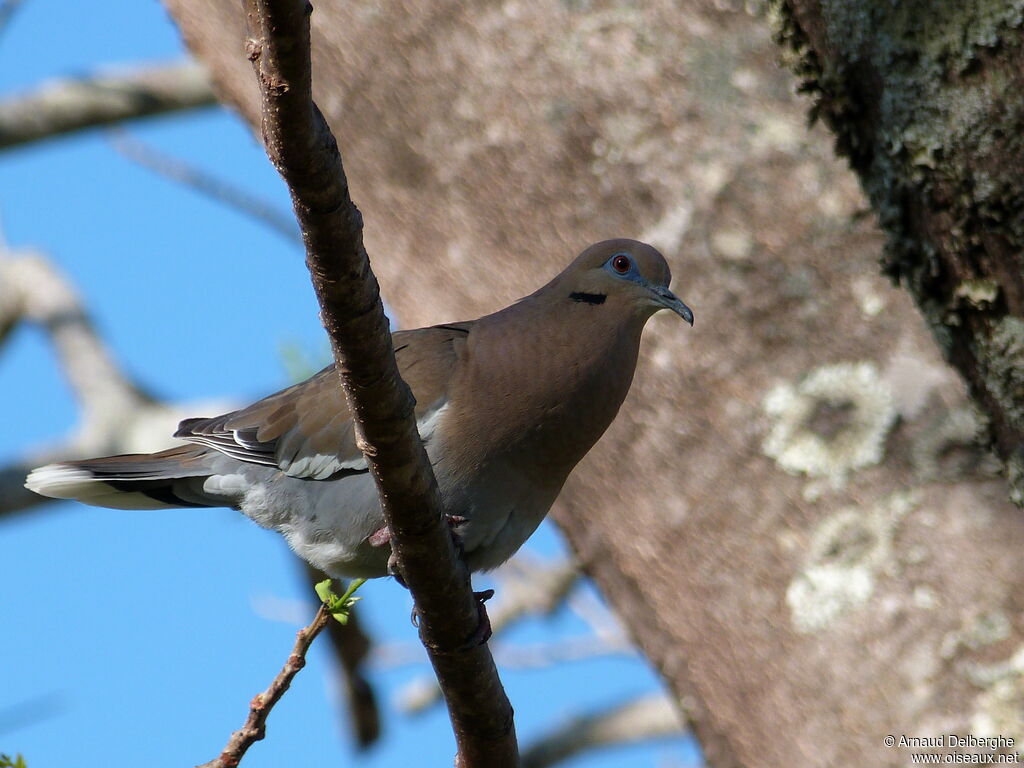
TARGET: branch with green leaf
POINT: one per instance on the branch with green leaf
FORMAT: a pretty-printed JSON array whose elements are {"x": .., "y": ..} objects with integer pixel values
[{"x": 333, "y": 606}]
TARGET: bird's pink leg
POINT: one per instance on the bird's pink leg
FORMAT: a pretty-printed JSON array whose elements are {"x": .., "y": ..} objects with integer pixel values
[{"x": 380, "y": 537}]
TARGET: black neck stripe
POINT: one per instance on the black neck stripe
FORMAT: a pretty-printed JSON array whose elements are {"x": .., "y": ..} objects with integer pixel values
[{"x": 588, "y": 298}]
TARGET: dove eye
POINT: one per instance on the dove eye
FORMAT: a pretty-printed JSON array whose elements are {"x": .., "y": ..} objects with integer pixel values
[{"x": 621, "y": 263}]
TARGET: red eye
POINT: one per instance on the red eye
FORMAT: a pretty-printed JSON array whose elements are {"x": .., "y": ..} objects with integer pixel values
[{"x": 621, "y": 263}]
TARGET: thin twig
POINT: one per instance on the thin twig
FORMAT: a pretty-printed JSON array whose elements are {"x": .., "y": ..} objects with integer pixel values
[
  {"x": 259, "y": 708},
  {"x": 596, "y": 615},
  {"x": 45, "y": 296},
  {"x": 304, "y": 151},
  {"x": 64, "y": 106},
  {"x": 7, "y": 9},
  {"x": 31, "y": 711},
  {"x": 205, "y": 183},
  {"x": 642, "y": 719},
  {"x": 351, "y": 647}
]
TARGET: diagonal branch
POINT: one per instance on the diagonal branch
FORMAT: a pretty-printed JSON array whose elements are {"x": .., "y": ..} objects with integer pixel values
[
  {"x": 64, "y": 106},
  {"x": 47, "y": 298},
  {"x": 351, "y": 647},
  {"x": 280, "y": 221},
  {"x": 33, "y": 289},
  {"x": 301, "y": 146},
  {"x": 540, "y": 590},
  {"x": 259, "y": 708}
]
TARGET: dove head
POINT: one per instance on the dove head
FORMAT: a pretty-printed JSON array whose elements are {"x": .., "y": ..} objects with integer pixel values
[{"x": 626, "y": 274}]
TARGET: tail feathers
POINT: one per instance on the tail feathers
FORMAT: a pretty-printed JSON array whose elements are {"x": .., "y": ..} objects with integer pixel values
[{"x": 171, "y": 478}]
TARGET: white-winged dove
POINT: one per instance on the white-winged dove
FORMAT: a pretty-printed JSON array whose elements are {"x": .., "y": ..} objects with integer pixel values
[{"x": 506, "y": 406}]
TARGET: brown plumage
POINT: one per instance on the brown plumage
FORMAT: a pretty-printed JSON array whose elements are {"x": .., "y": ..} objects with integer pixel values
[{"x": 506, "y": 405}]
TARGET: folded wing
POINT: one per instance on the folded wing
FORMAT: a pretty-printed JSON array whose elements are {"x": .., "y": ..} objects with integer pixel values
[{"x": 306, "y": 430}]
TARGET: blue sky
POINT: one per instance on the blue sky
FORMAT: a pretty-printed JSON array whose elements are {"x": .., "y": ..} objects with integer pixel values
[{"x": 137, "y": 636}]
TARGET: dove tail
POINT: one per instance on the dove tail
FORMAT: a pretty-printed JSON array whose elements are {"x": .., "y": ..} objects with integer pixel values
[{"x": 164, "y": 480}]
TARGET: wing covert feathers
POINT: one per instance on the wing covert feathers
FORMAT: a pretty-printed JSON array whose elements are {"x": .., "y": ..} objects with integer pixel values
[{"x": 306, "y": 430}]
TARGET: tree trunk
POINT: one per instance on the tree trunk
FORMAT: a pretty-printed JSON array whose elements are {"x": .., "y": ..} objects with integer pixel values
[
  {"x": 927, "y": 102},
  {"x": 791, "y": 513}
]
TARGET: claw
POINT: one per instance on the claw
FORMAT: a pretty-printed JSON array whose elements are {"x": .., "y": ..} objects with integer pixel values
[
  {"x": 393, "y": 569},
  {"x": 483, "y": 627},
  {"x": 483, "y": 631},
  {"x": 453, "y": 522}
]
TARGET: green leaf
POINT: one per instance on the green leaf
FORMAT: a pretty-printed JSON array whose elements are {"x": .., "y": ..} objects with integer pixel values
[
  {"x": 324, "y": 590},
  {"x": 6, "y": 761},
  {"x": 340, "y": 607}
]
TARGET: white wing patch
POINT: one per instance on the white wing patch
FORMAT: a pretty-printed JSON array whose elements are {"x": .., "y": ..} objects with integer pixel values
[
  {"x": 237, "y": 446},
  {"x": 319, "y": 466},
  {"x": 427, "y": 424}
]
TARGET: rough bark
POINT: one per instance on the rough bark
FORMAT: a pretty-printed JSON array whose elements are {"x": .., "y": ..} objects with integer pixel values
[
  {"x": 927, "y": 101},
  {"x": 791, "y": 512},
  {"x": 302, "y": 148}
]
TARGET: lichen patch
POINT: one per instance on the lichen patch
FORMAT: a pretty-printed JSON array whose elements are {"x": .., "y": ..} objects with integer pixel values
[
  {"x": 981, "y": 631},
  {"x": 848, "y": 552},
  {"x": 832, "y": 422},
  {"x": 999, "y": 708}
]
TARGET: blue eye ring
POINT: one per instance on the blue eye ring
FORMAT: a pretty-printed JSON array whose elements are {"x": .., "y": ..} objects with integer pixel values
[{"x": 621, "y": 263}]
